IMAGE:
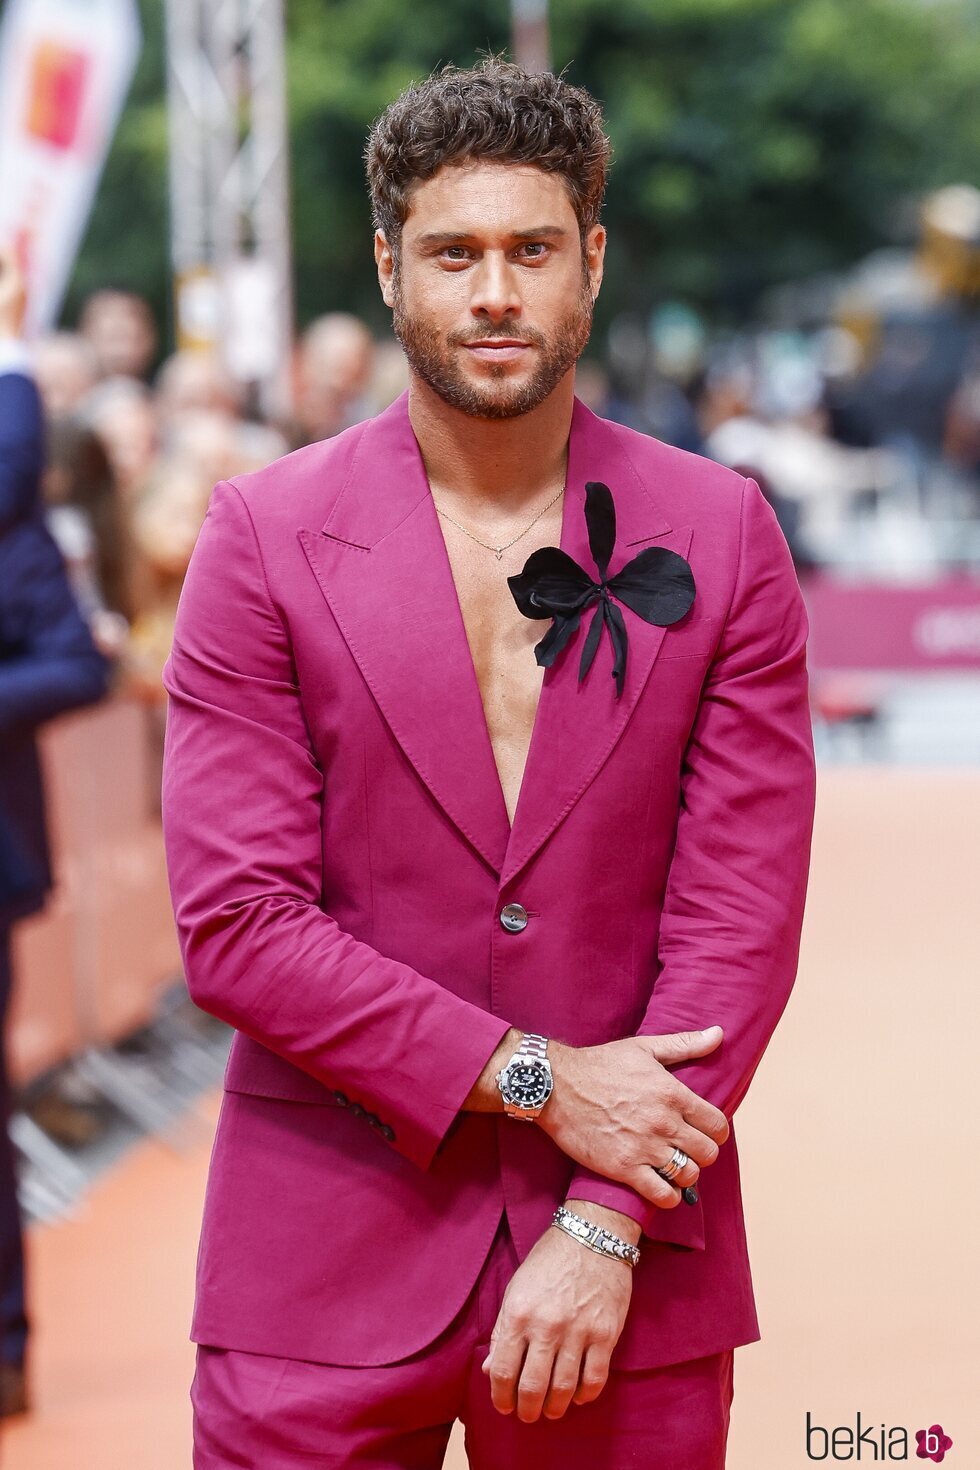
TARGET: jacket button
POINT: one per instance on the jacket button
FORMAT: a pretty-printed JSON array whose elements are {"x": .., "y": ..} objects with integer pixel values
[
  {"x": 373, "y": 1119},
  {"x": 341, "y": 1098},
  {"x": 356, "y": 1109},
  {"x": 513, "y": 916},
  {"x": 387, "y": 1130}
]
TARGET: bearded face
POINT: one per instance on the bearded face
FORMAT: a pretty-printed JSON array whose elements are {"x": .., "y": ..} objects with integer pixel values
[{"x": 492, "y": 293}]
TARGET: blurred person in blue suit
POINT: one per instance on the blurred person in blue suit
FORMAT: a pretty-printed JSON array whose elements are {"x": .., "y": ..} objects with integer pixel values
[{"x": 48, "y": 664}]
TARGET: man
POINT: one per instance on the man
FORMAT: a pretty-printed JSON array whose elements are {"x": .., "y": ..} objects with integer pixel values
[
  {"x": 65, "y": 369},
  {"x": 118, "y": 325},
  {"x": 48, "y": 664},
  {"x": 333, "y": 365},
  {"x": 409, "y": 853}
]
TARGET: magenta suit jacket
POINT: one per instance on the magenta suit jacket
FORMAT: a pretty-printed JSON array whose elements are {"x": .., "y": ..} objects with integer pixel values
[{"x": 339, "y": 853}]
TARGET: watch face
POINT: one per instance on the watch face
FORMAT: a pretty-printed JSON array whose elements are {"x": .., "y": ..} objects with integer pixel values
[{"x": 528, "y": 1083}]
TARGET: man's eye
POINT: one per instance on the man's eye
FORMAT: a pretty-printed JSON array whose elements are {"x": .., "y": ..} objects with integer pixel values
[
  {"x": 460, "y": 248},
  {"x": 538, "y": 246}
]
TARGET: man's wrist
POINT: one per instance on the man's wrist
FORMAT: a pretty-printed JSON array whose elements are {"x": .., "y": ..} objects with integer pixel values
[
  {"x": 484, "y": 1096},
  {"x": 609, "y": 1219}
]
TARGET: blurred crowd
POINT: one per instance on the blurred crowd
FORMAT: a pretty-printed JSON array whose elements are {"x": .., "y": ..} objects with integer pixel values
[
  {"x": 134, "y": 450},
  {"x": 853, "y": 398}
]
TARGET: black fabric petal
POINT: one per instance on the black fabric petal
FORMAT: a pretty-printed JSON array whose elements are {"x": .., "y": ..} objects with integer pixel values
[
  {"x": 591, "y": 642},
  {"x": 547, "y": 649},
  {"x": 551, "y": 582},
  {"x": 600, "y": 518},
  {"x": 658, "y": 584},
  {"x": 620, "y": 643}
]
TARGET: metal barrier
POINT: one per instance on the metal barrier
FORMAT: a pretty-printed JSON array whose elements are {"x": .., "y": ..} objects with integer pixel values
[{"x": 93, "y": 965}]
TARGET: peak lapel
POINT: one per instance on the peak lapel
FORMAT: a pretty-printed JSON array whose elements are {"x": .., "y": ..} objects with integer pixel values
[
  {"x": 382, "y": 565},
  {"x": 577, "y": 725}
]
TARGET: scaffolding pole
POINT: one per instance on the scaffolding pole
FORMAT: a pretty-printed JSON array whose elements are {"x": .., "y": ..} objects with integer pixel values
[
  {"x": 530, "y": 32},
  {"x": 229, "y": 191}
]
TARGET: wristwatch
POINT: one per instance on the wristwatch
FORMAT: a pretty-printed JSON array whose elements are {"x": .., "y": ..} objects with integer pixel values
[{"x": 526, "y": 1081}]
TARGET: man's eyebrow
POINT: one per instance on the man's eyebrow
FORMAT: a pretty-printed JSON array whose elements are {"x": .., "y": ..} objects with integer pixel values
[
  {"x": 540, "y": 230},
  {"x": 460, "y": 237}
]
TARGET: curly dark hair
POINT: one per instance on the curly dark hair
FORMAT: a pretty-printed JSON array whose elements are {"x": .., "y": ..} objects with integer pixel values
[{"x": 495, "y": 110}]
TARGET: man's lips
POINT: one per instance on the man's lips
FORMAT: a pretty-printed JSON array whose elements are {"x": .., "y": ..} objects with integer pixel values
[{"x": 497, "y": 349}]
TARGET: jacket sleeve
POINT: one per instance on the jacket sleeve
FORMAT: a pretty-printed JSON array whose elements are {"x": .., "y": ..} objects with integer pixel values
[
  {"x": 241, "y": 799},
  {"x": 734, "y": 902},
  {"x": 60, "y": 670},
  {"x": 21, "y": 445},
  {"x": 50, "y": 662}
]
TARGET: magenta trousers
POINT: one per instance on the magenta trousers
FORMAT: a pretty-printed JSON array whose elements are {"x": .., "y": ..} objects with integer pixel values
[{"x": 266, "y": 1413}]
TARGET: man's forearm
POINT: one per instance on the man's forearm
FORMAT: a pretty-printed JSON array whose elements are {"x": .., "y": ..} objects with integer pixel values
[{"x": 485, "y": 1097}]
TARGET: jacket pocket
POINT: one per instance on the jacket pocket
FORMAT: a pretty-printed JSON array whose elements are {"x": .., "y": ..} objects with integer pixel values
[
  {"x": 253, "y": 1068},
  {"x": 694, "y": 639}
]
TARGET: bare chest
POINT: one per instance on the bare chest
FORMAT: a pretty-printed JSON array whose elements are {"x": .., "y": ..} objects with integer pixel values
[{"x": 501, "y": 641}]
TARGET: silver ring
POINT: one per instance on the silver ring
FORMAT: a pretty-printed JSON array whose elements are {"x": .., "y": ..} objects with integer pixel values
[{"x": 673, "y": 1166}]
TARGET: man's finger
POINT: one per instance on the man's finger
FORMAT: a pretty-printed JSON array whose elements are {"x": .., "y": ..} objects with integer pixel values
[
  {"x": 659, "y": 1191},
  {"x": 697, "y": 1145},
  {"x": 595, "y": 1371},
  {"x": 532, "y": 1387},
  {"x": 564, "y": 1378},
  {"x": 677, "y": 1046},
  {"x": 704, "y": 1116},
  {"x": 505, "y": 1370},
  {"x": 485, "y": 1365}
]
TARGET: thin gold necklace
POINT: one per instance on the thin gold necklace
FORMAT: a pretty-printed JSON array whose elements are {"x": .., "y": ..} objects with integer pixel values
[{"x": 499, "y": 550}]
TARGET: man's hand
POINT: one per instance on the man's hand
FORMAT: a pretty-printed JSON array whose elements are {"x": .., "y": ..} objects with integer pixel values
[
  {"x": 560, "y": 1318},
  {"x": 13, "y": 295},
  {"x": 616, "y": 1109}
]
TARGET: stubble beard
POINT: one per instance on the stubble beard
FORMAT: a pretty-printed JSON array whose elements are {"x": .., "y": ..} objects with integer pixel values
[{"x": 432, "y": 357}]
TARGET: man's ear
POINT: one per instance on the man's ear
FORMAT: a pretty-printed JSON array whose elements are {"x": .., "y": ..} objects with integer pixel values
[
  {"x": 386, "y": 267},
  {"x": 595, "y": 252}
]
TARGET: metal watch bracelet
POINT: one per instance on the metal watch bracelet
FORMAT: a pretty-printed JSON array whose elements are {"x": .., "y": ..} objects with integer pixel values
[{"x": 595, "y": 1236}]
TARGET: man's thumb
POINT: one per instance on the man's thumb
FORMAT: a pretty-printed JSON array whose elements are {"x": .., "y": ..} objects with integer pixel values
[{"x": 677, "y": 1046}]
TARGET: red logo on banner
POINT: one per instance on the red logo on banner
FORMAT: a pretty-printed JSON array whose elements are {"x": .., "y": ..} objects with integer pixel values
[{"x": 55, "y": 93}]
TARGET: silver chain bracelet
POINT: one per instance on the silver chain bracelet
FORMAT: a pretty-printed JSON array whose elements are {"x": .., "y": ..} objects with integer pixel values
[{"x": 595, "y": 1237}]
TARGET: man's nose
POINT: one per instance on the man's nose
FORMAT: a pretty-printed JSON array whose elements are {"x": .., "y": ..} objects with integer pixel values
[{"x": 495, "y": 292}]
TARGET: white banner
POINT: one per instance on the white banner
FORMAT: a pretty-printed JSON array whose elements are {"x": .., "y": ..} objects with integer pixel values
[{"x": 65, "y": 69}]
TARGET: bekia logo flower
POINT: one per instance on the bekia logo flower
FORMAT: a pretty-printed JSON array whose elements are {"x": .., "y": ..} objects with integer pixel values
[
  {"x": 932, "y": 1443},
  {"x": 873, "y": 1442}
]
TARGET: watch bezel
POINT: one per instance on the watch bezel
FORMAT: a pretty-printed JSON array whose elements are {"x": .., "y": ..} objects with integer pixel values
[{"x": 541, "y": 1065}]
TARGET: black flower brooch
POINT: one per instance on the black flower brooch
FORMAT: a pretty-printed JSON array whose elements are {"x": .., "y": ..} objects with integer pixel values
[{"x": 658, "y": 584}]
